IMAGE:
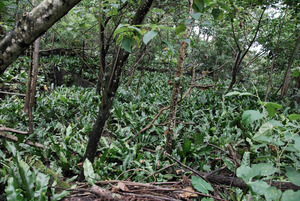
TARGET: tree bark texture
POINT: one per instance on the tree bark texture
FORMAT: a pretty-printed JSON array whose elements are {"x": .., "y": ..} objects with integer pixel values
[
  {"x": 101, "y": 50},
  {"x": 176, "y": 89},
  {"x": 32, "y": 80},
  {"x": 111, "y": 85},
  {"x": 30, "y": 27}
]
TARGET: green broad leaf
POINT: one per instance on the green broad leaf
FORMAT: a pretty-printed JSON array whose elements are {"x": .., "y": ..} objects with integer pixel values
[
  {"x": 13, "y": 191},
  {"x": 42, "y": 181},
  {"x": 58, "y": 196},
  {"x": 236, "y": 93},
  {"x": 263, "y": 135},
  {"x": 259, "y": 187},
  {"x": 27, "y": 178},
  {"x": 297, "y": 142},
  {"x": 272, "y": 108},
  {"x": 120, "y": 29},
  {"x": 250, "y": 116},
  {"x": 263, "y": 169},
  {"x": 138, "y": 31},
  {"x": 69, "y": 130},
  {"x": 275, "y": 123},
  {"x": 2, "y": 5},
  {"x": 196, "y": 16},
  {"x": 201, "y": 185},
  {"x": 272, "y": 193},
  {"x": 229, "y": 164},
  {"x": 246, "y": 94},
  {"x": 293, "y": 117},
  {"x": 233, "y": 93},
  {"x": 198, "y": 5},
  {"x": 11, "y": 148},
  {"x": 188, "y": 41},
  {"x": 127, "y": 161},
  {"x": 243, "y": 173},
  {"x": 224, "y": 6},
  {"x": 89, "y": 172},
  {"x": 246, "y": 159},
  {"x": 149, "y": 36},
  {"x": 180, "y": 28},
  {"x": 265, "y": 128},
  {"x": 127, "y": 43},
  {"x": 296, "y": 72},
  {"x": 216, "y": 13},
  {"x": 290, "y": 195},
  {"x": 187, "y": 145},
  {"x": 293, "y": 175},
  {"x": 170, "y": 46},
  {"x": 207, "y": 199}
]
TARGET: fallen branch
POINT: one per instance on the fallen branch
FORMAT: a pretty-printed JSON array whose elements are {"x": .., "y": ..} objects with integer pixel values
[
  {"x": 14, "y": 138},
  {"x": 11, "y": 93},
  {"x": 12, "y": 130},
  {"x": 233, "y": 181}
]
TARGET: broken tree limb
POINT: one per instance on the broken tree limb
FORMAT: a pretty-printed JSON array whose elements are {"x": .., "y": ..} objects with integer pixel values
[
  {"x": 14, "y": 138},
  {"x": 31, "y": 26},
  {"x": 11, "y": 93},
  {"x": 12, "y": 130}
]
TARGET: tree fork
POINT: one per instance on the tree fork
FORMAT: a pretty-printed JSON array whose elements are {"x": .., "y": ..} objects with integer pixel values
[{"x": 110, "y": 88}]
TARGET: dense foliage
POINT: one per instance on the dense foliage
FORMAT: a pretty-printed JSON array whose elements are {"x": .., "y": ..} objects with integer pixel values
[{"x": 250, "y": 134}]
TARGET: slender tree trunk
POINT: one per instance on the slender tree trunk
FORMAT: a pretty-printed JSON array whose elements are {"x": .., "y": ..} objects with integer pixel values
[
  {"x": 102, "y": 53},
  {"x": 286, "y": 81},
  {"x": 30, "y": 27},
  {"x": 32, "y": 80},
  {"x": 110, "y": 88},
  {"x": 274, "y": 58},
  {"x": 139, "y": 83},
  {"x": 176, "y": 89},
  {"x": 240, "y": 55},
  {"x": 140, "y": 56}
]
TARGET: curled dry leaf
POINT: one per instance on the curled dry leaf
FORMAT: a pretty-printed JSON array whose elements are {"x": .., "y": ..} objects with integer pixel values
[
  {"x": 188, "y": 193},
  {"x": 121, "y": 186}
]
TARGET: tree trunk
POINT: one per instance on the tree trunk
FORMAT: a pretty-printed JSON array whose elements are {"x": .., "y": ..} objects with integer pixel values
[
  {"x": 30, "y": 27},
  {"x": 286, "y": 81},
  {"x": 274, "y": 58},
  {"x": 240, "y": 57},
  {"x": 110, "y": 88},
  {"x": 176, "y": 89},
  {"x": 102, "y": 52},
  {"x": 32, "y": 80}
]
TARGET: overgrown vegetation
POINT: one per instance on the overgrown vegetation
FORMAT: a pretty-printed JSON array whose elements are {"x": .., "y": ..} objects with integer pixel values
[{"x": 241, "y": 133}]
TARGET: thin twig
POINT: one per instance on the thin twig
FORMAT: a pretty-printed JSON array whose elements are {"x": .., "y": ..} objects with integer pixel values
[
  {"x": 11, "y": 93},
  {"x": 151, "y": 123},
  {"x": 138, "y": 169},
  {"x": 185, "y": 166}
]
